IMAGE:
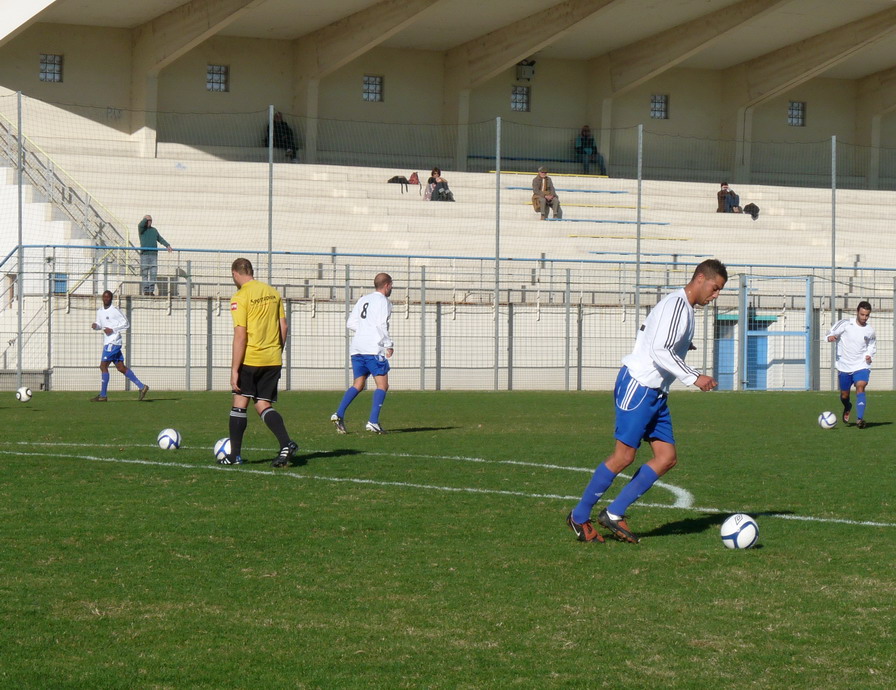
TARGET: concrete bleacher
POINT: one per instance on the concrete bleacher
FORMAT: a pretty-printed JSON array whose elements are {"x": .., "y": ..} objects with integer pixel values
[
  {"x": 200, "y": 201},
  {"x": 41, "y": 223}
]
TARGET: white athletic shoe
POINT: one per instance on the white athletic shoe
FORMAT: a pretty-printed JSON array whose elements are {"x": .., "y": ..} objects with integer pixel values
[{"x": 375, "y": 428}]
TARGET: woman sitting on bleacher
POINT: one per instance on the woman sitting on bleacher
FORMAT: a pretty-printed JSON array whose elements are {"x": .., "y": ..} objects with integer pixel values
[{"x": 437, "y": 187}]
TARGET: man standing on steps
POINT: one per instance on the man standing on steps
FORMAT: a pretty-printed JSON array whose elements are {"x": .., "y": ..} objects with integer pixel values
[{"x": 150, "y": 238}]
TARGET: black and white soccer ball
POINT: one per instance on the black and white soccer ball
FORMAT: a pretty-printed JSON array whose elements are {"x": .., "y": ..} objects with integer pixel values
[{"x": 23, "y": 394}]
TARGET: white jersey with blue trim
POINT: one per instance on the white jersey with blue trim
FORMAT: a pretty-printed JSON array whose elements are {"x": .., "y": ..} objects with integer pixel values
[
  {"x": 854, "y": 342},
  {"x": 370, "y": 322},
  {"x": 663, "y": 342},
  {"x": 111, "y": 317}
]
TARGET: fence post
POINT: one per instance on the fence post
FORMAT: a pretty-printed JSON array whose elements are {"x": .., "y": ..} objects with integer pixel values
[
  {"x": 509, "y": 344},
  {"x": 567, "y": 299},
  {"x": 128, "y": 312},
  {"x": 439, "y": 346},
  {"x": 422, "y": 327},
  {"x": 188, "y": 328},
  {"x": 209, "y": 345},
  {"x": 638, "y": 227},
  {"x": 497, "y": 250},
  {"x": 833, "y": 249},
  {"x": 580, "y": 345},
  {"x": 270, "y": 194},
  {"x": 743, "y": 325}
]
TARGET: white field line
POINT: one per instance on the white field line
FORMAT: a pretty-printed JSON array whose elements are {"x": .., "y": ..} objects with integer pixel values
[{"x": 683, "y": 498}]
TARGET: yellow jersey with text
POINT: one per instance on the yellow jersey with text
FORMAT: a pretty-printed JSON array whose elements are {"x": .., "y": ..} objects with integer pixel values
[{"x": 258, "y": 307}]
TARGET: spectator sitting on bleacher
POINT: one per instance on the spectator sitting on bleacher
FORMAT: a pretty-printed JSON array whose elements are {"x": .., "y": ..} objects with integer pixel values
[
  {"x": 544, "y": 195},
  {"x": 587, "y": 153},
  {"x": 437, "y": 187},
  {"x": 283, "y": 137},
  {"x": 729, "y": 202}
]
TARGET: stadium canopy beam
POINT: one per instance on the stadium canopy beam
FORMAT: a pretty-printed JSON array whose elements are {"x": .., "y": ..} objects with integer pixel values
[
  {"x": 631, "y": 66},
  {"x": 480, "y": 60},
  {"x": 774, "y": 74},
  {"x": 326, "y": 50},
  {"x": 162, "y": 40},
  {"x": 876, "y": 99}
]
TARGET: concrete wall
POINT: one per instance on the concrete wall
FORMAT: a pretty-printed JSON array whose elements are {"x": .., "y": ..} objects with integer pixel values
[{"x": 96, "y": 68}]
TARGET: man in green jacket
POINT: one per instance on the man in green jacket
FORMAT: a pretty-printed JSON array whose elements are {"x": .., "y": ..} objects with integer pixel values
[{"x": 149, "y": 257}]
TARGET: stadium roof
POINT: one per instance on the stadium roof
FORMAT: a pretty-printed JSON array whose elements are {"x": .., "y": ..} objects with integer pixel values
[{"x": 572, "y": 30}]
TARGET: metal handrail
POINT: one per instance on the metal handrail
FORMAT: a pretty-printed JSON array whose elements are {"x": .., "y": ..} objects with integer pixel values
[{"x": 72, "y": 199}]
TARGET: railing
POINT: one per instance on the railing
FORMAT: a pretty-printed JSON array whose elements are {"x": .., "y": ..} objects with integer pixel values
[{"x": 71, "y": 199}]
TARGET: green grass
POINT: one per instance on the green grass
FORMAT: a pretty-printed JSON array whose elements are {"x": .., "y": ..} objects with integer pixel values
[{"x": 360, "y": 568}]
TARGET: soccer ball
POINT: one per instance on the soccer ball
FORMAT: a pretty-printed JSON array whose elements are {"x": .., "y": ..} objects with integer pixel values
[
  {"x": 222, "y": 448},
  {"x": 23, "y": 394},
  {"x": 827, "y": 420},
  {"x": 740, "y": 531},
  {"x": 169, "y": 439}
]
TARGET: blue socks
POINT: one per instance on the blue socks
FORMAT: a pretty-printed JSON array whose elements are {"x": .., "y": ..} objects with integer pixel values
[
  {"x": 600, "y": 482},
  {"x": 104, "y": 379},
  {"x": 131, "y": 376},
  {"x": 347, "y": 398},
  {"x": 644, "y": 478},
  {"x": 860, "y": 405},
  {"x": 379, "y": 397}
]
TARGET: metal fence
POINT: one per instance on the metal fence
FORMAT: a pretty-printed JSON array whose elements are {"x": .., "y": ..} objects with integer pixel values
[{"x": 549, "y": 325}]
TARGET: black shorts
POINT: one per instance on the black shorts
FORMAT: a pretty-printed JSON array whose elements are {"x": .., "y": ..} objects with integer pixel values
[{"x": 259, "y": 383}]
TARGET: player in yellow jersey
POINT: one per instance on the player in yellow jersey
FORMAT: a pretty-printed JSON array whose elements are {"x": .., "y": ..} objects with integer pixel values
[{"x": 259, "y": 335}]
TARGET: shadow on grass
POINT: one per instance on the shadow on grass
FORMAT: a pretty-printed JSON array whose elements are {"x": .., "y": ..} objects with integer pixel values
[
  {"x": 870, "y": 425},
  {"x": 302, "y": 460},
  {"x": 701, "y": 524},
  {"x": 417, "y": 429}
]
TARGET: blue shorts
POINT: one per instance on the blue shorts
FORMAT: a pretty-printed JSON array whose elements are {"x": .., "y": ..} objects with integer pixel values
[
  {"x": 847, "y": 379},
  {"x": 641, "y": 413},
  {"x": 365, "y": 365},
  {"x": 112, "y": 353}
]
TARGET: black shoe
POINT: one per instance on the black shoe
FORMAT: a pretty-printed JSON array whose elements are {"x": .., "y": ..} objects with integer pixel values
[
  {"x": 619, "y": 528},
  {"x": 846, "y": 415},
  {"x": 286, "y": 453},
  {"x": 861, "y": 423},
  {"x": 231, "y": 460}
]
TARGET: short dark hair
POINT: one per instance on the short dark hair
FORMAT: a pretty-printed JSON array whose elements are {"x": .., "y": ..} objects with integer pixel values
[
  {"x": 243, "y": 267},
  {"x": 381, "y": 280},
  {"x": 864, "y": 304},
  {"x": 710, "y": 268}
]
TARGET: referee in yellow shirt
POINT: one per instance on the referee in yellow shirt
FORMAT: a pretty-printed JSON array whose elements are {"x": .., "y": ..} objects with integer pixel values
[{"x": 259, "y": 335}]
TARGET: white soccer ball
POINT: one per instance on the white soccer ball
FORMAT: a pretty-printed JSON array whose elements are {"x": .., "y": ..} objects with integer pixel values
[
  {"x": 740, "y": 531},
  {"x": 827, "y": 420},
  {"x": 222, "y": 448},
  {"x": 169, "y": 439},
  {"x": 23, "y": 394}
]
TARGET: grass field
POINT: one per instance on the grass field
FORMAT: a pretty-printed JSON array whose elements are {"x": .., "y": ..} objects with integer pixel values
[{"x": 437, "y": 555}]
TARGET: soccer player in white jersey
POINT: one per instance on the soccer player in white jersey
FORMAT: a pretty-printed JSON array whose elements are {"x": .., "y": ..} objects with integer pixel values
[
  {"x": 370, "y": 350},
  {"x": 856, "y": 347},
  {"x": 641, "y": 392},
  {"x": 113, "y": 323}
]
